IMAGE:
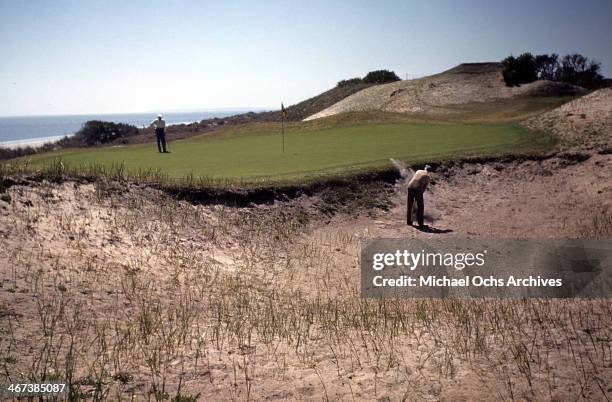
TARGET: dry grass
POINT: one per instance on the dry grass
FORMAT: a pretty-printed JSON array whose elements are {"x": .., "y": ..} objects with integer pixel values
[
  {"x": 599, "y": 224},
  {"x": 141, "y": 296},
  {"x": 584, "y": 123}
]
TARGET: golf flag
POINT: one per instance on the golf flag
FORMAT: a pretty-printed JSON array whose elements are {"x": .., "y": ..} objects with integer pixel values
[{"x": 283, "y": 115}]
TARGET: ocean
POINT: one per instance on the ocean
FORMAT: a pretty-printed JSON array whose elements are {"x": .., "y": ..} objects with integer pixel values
[{"x": 36, "y": 130}]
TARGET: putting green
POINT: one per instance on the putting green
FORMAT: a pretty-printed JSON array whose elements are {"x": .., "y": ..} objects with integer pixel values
[{"x": 259, "y": 154}]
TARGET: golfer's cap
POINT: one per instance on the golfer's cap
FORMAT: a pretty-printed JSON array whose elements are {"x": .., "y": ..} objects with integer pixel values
[
  {"x": 160, "y": 116},
  {"x": 427, "y": 167}
]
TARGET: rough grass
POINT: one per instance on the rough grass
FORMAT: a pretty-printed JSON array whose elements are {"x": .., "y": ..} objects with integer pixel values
[
  {"x": 255, "y": 151},
  {"x": 284, "y": 312}
]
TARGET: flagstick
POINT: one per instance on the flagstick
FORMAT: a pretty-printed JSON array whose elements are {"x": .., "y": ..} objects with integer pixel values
[{"x": 283, "y": 129}]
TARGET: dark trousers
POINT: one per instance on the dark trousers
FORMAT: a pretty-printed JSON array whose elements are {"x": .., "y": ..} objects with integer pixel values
[
  {"x": 160, "y": 133},
  {"x": 415, "y": 194}
]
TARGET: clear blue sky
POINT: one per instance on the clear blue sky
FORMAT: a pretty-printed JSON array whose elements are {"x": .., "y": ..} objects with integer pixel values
[{"x": 65, "y": 57}]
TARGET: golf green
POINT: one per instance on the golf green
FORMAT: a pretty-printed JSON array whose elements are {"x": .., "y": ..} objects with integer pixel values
[{"x": 259, "y": 153}]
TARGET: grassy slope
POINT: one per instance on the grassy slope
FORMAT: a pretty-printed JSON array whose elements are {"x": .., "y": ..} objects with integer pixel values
[{"x": 258, "y": 152}]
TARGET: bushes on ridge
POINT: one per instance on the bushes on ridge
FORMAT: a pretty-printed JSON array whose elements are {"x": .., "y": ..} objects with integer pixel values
[
  {"x": 380, "y": 77},
  {"x": 574, "y": 69},
  {"x": 350, "y": 81},
  {"x": 373, "y": 77}
]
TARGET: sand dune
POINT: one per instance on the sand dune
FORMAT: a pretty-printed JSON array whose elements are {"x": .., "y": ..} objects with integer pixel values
[
  {"x": 464, "y": 84},
  {"x": 586, "y": 121}
]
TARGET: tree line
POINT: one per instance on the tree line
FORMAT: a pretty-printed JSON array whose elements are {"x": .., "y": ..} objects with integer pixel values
[{"x": 573, "y": 69}]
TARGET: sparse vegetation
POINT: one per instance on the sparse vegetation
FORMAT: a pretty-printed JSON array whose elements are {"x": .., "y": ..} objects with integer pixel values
[
  {"x": 597, "y": 224},
  {"x": 220, "y": 293}
]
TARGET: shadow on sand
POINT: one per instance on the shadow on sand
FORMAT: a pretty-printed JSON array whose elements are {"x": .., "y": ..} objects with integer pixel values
[{"x": 431, "y": 229}]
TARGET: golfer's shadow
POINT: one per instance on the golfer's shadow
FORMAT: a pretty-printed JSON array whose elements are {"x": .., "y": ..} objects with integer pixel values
[{"x": 431, "y": 229}]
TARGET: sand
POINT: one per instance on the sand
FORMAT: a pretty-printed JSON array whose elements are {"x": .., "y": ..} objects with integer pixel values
[{"x": 142, "y": 280}]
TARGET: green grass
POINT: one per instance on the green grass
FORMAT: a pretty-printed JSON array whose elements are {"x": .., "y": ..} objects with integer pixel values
[{"x": 257, "y": 153}]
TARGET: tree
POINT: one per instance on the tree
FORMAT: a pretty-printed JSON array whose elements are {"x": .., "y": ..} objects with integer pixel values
[
  {"x": 380, "y": 77},
  {"x": 546, "y": 66},
  {"x": 579, "y": 70},
  {"x": 573, "y": 69},
  {"x": 519, "y": 70}
]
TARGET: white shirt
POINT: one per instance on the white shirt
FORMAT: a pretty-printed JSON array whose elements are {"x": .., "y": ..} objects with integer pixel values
[
  {"x": 420, "y": 180},
  {"x": 158, "y": 123}
]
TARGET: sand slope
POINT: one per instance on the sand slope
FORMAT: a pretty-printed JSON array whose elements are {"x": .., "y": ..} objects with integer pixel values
[
  {"x": 464, "y": 84},
  {"x": 586, "y": 121},
  {"x": 255, "y": 303}
]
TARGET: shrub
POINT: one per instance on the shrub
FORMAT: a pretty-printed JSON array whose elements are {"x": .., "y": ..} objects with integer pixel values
[
  {"x": 351, "y": 81},
  {"x": 185, "y": 398},
  {"x": 380, "y": 77},
  {"x": 9, "y": 153},
  {"x": 101, "y": 132},
  {"x": 373, "y": 77}
]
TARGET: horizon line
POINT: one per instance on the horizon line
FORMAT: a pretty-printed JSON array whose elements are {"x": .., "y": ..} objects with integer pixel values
[{"x": 195, "y": 110}]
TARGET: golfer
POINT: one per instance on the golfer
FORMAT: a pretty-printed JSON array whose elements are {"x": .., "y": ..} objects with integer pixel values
[
  {"x": 416, "y": 187},
  {"x": 160, "y": 133}
]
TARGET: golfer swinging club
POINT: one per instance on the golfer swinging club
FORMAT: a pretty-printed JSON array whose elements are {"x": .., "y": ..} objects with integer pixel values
[
  {"x": 416, "y": 188},
  {"x": 160, "y": 132}
]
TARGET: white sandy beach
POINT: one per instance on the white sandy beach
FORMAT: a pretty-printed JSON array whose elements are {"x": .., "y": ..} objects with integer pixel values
[{"x": 32, "y": 142}]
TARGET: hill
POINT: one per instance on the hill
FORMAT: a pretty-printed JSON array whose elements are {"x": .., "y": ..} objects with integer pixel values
[
  {"x": 313, "y": 105},
  {"x": 300, "y": 110},
  {"x": 436, "y": 94},
  {"x": 584, "y": 122},
  {"x": 296, "y": 112}
]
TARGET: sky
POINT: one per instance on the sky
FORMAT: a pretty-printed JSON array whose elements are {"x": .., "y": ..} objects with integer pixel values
[{"x": 79, "y": 57}]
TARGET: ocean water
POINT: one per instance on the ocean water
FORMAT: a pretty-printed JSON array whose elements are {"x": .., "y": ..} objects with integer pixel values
[{"x": 35, "y": 130}]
